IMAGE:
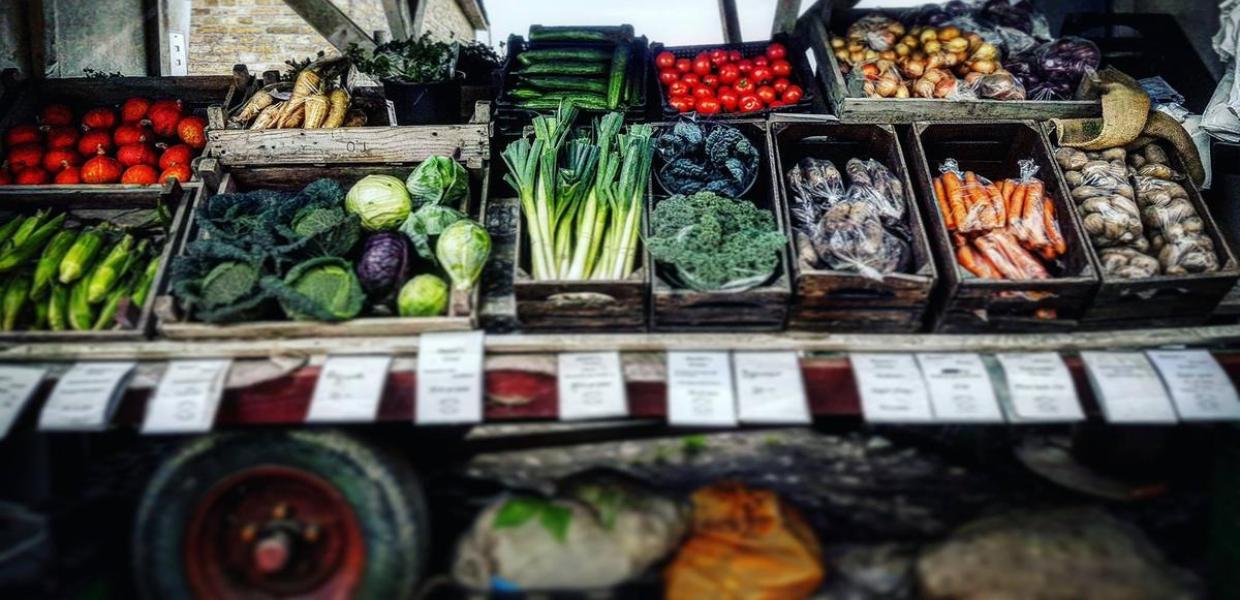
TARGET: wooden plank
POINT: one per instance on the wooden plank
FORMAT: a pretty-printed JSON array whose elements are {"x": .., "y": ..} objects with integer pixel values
[
  {"x": 466, "y": 143},
  {"x": 331, "y": 23},
  {"x": 730, "y": 20}
]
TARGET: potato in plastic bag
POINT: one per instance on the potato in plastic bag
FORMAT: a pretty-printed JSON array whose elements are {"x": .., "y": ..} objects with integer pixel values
[
  {"x": 851, "y": 237},
  {"x": 872, "y": 181},
  {"x": 814, "y": 185},
  {"x": 1128, "y": 262}
]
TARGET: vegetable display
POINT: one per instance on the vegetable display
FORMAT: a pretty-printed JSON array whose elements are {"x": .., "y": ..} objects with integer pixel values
[
  {"x": 582, "y": 194},
  {"x": 308, "y": 254},
  {"x": 60, "y": 273},
  {"x": 1005, "y": 231},
  {"x": 714, "y": 243},
  {"x": 595, "y": 69},
  {"x": 142, "y": 142},
  {"x": 310, "y": 101},
  {"x": 728, "y": 81},
  {"x": 715, "y": 158},
  {"x": 861, "y": 229},
  {"x": 1137, "y": 213}
]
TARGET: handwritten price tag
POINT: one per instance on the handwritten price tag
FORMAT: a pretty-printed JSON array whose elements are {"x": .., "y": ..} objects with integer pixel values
[
  {"x": 1128, "y": 388},
  {"x": 349, "y": 389},
  {"x": 17, "y": 384},
  {"x": 450, "y": 378},
  {"x": 187, "y": 397},
  {"x": 86, "y": 396},
  {"x": 892, "y": 390},
  {"x": 769, "y": 388},
  {"x": 1199, "y": 386},
  {"x": 699, "y": 389},
  {"x": 1040, "y": 388},
  {"x": 960, "y": 388},
  {"x": 591, "y": 386}
]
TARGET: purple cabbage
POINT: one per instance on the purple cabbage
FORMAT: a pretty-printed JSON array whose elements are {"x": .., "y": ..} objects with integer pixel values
[{"x": 384, "y": 264}]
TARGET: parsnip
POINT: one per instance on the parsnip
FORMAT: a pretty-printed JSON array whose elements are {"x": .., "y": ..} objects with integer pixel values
[
  {"x": 267, "y": 118},
  {"x": 315, "y": 111},
  {"x": 339, "y": 100},
  {"x": 255, "y": 105}
]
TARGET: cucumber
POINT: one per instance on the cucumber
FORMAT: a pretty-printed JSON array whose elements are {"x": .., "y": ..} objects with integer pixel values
[
  {"x": 524, "y": 93},
  {"x": 552, "y": 83},
  {"x": 619, "y": 68},
  {"x": 539, "y": 33},
  {"x": 564, "y": 55},
  {"x": 579, "y": 99},
  {"x": 565, "y": 68}
]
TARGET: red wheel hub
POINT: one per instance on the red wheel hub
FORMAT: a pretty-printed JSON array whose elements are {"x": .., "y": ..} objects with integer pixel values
[{"x": 274, "y": 530}]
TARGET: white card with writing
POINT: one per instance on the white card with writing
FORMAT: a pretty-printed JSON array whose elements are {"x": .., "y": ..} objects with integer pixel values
[
  {"x": 591, "y": 386},
  {"x": 17, "y": 385},
  {"x": 85, "y": 396},
  {"x": 450, "y": 381},
  {"x": 1128, "y": 388},
  {"x": 1040, "y": 388},
  {"x": 1200, "y": 388},
  {"x": 769, "y": 388},
  {"x": 699, "y": 389},
  {"x": 960, "y": 388},
  {"x": 187, "y": 397},
  {"x": 891, "y": 388},
  {"x": 349, "y": 389}
]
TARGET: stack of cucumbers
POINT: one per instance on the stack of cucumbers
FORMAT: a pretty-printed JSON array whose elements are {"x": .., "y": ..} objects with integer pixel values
[
  {"x": 57, "y": 277},
  {"x": 588, "y": 66}
]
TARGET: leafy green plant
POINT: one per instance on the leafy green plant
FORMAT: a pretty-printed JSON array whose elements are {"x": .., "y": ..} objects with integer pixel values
[
  {"x": 320, "y": 289},
  {"x": 715, "y": 243},
  {"x": 220, "y": 283},
  {"x": 477, "y": 61},
  {"x": 415, "y": 60}
]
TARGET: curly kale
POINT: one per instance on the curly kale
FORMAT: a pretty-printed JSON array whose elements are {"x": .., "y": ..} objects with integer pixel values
[
  {"x": 217, "y": 282},
  {"x": 241, "y": 219},
  {"x": 315, "y": 223},
  {"x": 723, "y": 161},
  {"x": 715, "y": 243}
]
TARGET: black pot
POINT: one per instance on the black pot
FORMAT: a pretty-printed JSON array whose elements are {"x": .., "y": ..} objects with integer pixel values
[{"x": 424, "y": 103}]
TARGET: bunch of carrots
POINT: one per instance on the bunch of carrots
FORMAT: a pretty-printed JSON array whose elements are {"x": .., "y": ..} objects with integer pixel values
[{"x": 1000, "y": 231}]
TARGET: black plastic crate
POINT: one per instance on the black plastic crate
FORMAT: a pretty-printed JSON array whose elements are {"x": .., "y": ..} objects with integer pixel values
[{"x": 802, "y": 73}]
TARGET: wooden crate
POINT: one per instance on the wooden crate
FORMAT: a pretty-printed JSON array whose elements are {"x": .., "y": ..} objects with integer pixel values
[
  {"x": 467, "y": 143},
  {"x": 964, "y": 303},
  {"x": 1166, "y": 300},
  {"x": 106, "y": 205},
  {"x": 763, "y": 308},
  {"x": 82, "y": 94},
  {"x": 462, "y": 308},
  {"x": 826, "y": 300},
  {"x": 860, "y": 109}
]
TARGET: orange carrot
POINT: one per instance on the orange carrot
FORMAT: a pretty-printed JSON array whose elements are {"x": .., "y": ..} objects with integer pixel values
[
  {"x": 1053, "y": 233},
  {"x": 940, "y": 194},
  {"x": 955, "y": 198},
  {"x": 996, "y": 201},
  {"x": 1031, "y": 215},
  {"x": 1016, "y": 201},
  {"x": 976, "y": 263}
]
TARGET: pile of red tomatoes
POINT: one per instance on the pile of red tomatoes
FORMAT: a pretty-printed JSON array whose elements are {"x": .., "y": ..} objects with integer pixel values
[
  {"x": 145, "y": 142},
  {"x": 725, "y": 81}
]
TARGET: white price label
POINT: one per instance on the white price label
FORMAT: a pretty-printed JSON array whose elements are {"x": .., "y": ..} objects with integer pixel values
[
  {"x": 1200, "y": 388},
  {"x": 1039, "y": 388},
  {"x": 1128, "y": 388},
  {"x": 960, "y": 388},
  {"x": 449, "y": 389},
  {"x": 349, "y": 389},
  {"x": 187, "y": 397},
  {"x": 699, "y": 389},
  {"x": 17, "y": 384},
  {"x": 591, "y": 386},
  {"x": 891, "y": 388},
  {"x": 769, "y": 388},
  {"x": 85, "y": 396}
]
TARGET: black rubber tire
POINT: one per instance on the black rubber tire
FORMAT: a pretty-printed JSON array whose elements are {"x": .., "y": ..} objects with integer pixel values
[{"x": 383, "y": 491}]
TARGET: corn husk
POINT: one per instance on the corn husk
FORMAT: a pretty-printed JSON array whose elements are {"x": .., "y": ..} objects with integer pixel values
[
  {"x": 339, "y": 107},
  {"x": 316, "y": 111},
  {"x": 268, "y": 117}
]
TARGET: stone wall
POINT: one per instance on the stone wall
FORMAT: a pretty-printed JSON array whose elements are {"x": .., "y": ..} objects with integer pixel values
[{"x": 445, "y": 20}]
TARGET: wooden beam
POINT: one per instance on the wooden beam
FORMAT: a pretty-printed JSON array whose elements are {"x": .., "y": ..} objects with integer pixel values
[
  {"x": 785, "y": 17},
  {"x": 731, "y": 21},
  {"x": 331, "y": 23}
]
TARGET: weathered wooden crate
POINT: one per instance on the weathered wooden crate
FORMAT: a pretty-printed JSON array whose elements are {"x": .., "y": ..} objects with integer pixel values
[
  {"x": 108, "y": 205},
  {"x": 763, "y": 308},
  {"x": 1165, "y": 300},
  {"x": 964, "y": 303},
  {"x": 174, "y": 323},
  {"x": 827, "y": 300},
  {"x": 860, "y": 109},
  {"x": 84, "y": 93},
  {"x": 380, "y": 141}
]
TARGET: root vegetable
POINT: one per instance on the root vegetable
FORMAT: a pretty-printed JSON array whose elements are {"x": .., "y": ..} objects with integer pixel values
[
  {"x": 267, "y": 118},
  {"x": 255, "y": 105},
  {"x": 315, "y": 111},
  {"x": 339, "y": 100}
]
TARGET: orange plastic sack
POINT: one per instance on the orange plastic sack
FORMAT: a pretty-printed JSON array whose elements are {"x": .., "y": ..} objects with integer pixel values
[{"x": 745, "y": 544}]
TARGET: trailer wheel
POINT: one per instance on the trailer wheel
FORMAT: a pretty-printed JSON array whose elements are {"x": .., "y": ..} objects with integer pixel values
[{"x": 308, "y": 514}]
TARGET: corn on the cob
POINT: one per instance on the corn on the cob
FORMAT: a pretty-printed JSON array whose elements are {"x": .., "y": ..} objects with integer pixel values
[
  {"x": 267, "y": 118},
  {"x": 57, "y": 305},
  {"x": 339, "y": 100},
  {"x": 110, "y": 270},
  {"x": 40, "y": 315},
  {"x": 316, "y": 111},
  {"x": 49, "y": 262},
  {"x": 107, "y": 313},
  {"x": 143, "y": 288},
  {"x": 80, "y": 315},
  {"x": 7, "y": 230},
  {"x": 81, "y": 255},
  {"x": 31, "y": 245},
  {"x": 23, "y": 231},
  {"x": 15, "y": 295}
]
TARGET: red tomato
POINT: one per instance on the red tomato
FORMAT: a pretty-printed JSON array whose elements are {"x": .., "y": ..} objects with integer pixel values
[
  {"x": 781, "y": 84},
  {"x": 707, "y": 106},
  {"x": 743, "y": 86},
  {"x": 744, "y": 65},
  {"x": 781, "y": 68},
  {"x": 734, "y": 56},
  {"x": 701, "y": 65},
  {"x": 793, "y": 94},
  {"x": 750, "y": 103},
  {"x": 684, "y": 65},
  {"x": 728, "y": 99},
  {"x": 760, "y": 61},
  {"x": 681, "y": 103},
  {"x": 710, "y": 80},
  {"x": 718, "y": 57},
  {"x": 691, "y": 78},
  {"x": 702, "y": 91},
  {"x": 766, "y": 94},
  {"x": 728, "y": 74},
  {"x": 669, "y": 75},
  {"x": 760, "y": 74},
  {"x": 679, "y": 88},
  {"x": 775, "y": 104},
  {"x": 665, "y": 60},
  {"x": 776, "y": 51}
]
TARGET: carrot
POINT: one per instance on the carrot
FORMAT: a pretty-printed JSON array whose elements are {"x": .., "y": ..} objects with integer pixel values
[
  {"x": 990, "y": 249},
  {"x": 976, "y": 202},
  {"x": 955, "y": 198},
  {"x": 1057, "y": 241},
  {"x": 1031, "y": 217},
  {"x": 1016, "y": 202},
  {"x": 996, "y": 200},
  {"x": 1025, "y": 262},
  {"x": 975, "y": 263},
  {"x": 940, "y": 194}
]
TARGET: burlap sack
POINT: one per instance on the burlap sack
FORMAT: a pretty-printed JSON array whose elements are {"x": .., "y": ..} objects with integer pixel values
[{"x": 1124, "y": 109}]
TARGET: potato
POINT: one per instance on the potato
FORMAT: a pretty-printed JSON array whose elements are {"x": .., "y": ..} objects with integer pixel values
[
  {"x": 1136, "y": 160},
  {"x": 1114, "y": 154},
  {"x": 1070, "y": 159},
  {"x": 1074, "y": 178},
  {"x": 1155, "y": 154}
]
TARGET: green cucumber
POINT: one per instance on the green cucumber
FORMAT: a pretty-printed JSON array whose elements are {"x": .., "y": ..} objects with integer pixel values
[
  {"x": 524, "y": 93},
  {"x": 566, "y": 84},
  {"x": 553, "y": 100},
  {"x": 539, "y": 33},
  {"x": 619, "y": 68},
  {"x": 564, "y": 55},
  {"x": 565, "y": 68}
]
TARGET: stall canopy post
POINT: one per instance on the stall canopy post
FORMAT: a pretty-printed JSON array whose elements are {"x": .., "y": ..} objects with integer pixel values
[
  {"x": 785, "y": 17},
  {"x": 731, "y": 22},
  {"x": 331, "y": 23},
  {"x": 400, "y": 17}
]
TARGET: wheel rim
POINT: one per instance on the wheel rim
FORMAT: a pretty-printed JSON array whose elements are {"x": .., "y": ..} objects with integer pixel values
[{"x": 274, "y": 530}]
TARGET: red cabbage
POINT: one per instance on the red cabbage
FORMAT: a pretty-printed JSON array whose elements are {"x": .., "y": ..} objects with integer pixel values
[{"x": 384, "y": 264}]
